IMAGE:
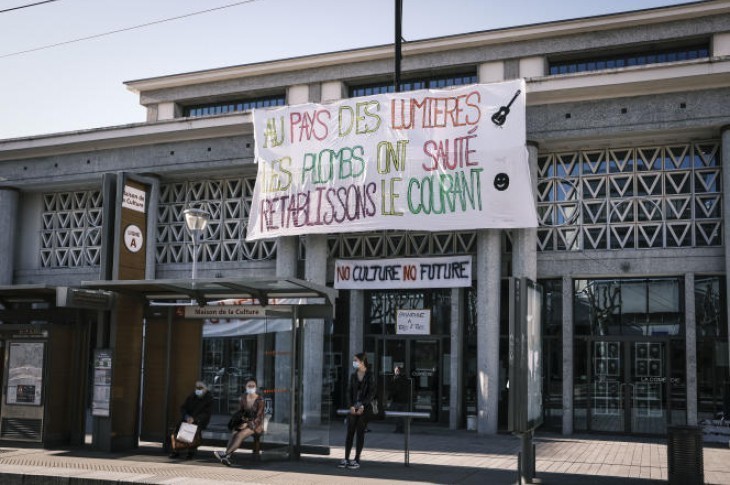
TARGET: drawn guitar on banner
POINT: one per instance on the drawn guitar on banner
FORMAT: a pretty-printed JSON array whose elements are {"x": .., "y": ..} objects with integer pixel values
[{"x": 500, "y": 116}]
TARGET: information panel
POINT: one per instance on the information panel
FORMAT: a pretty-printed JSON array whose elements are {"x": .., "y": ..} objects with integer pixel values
[
  {"x": 25, "y": 373},
  {"x": 102, "y": 382},
  {"x": 525, "y": 355}
]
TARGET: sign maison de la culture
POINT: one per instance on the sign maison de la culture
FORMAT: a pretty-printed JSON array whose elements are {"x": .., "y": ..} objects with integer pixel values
[{"x": 433, "y": 160}]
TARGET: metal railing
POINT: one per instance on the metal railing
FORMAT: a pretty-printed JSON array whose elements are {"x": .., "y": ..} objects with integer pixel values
[{"x": 406, "y": 416}]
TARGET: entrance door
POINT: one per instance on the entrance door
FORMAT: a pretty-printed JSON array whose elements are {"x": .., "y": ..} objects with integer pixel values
[
  {"x": 629, "y": 386},
  {"x": 420, "y": 362}
]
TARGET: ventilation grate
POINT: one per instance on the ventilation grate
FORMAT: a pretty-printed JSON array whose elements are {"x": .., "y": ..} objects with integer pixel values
[{"x": 21, "y": 429}]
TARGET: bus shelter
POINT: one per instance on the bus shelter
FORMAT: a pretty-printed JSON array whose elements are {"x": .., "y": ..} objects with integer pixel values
[{"x": 290, "y": 321}]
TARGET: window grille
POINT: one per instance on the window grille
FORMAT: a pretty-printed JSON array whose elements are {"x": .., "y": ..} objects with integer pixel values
[
  {"x": 636, "y": 197},
  {"x": 71, "y": 229},
  {"x": 228, "y": 201}
]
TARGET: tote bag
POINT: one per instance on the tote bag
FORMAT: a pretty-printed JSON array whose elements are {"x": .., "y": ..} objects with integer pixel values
[{"x": 187, "y": 431}]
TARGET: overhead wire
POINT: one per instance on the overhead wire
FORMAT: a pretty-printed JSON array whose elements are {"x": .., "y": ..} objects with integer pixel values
[
  {"x": 126, "y": 29},
  {"x": 26, "y": 6}
]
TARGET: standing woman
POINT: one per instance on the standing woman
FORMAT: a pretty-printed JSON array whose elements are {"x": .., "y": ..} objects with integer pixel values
[
  {"x": 249, "y": 420},
  {"x": 362, "y": 392}
]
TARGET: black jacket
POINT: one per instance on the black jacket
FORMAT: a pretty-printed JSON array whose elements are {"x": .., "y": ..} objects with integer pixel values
[
  {"x": 400, "y": 390},
  {"x": 362, "y": 391},
  {"x": 200, "y": 408}
]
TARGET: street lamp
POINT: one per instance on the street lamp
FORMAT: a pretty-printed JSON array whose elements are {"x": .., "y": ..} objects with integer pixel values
[{"x": 197, "y": 221}]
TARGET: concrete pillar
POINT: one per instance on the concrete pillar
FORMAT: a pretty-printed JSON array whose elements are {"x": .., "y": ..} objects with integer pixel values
[
  {"x": 166, "y": 111},
  {"x": 488, "y": 268},
  {"x": 568, "y": 355},
  {"x": 315, "y": 270},
  {"x": 297, "y": 94},
  {"x": 690, "y": 326},
  {"x": 489, "y": 255},
  {"x": 532, "y": 66},
  {"x": 8, "y": 223},
  {"x": 456, "y": 390},
  {"x": 286, "y": 267},
  {"x": 524, "y": 241},
  {"x": 721, "y": 44},
  {"x": 726, "y": 215},
  {"x": 286, "y": 257},
  {"x": 357, "y": 323},
  {"x": 332, "y": 91},
  {"x": 151, "y": 113},
  {"x": 491, "y": 72}
]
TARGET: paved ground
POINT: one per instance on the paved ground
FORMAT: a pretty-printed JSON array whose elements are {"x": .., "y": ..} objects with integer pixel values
[{"x": 437, "y": 456}]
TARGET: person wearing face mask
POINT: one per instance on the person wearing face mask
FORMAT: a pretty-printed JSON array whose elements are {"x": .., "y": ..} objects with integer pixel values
[
  {"x": 248, "y": 421},
  {"x": 399, "y": 395},
  {"x": 196, "y": 409},
  {"x": 361, "y": 394}
]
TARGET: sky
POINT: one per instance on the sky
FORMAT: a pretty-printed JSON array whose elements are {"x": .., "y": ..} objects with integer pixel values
[{"x": 79, "y": 85}]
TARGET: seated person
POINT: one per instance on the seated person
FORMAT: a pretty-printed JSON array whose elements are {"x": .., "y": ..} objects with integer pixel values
[
  {"x": 196, "y": 409},
  {"x": 249, "y": 420}
]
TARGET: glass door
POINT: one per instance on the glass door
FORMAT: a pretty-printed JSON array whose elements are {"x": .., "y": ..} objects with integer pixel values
[
  {"x": 420, "y": 363},
  {"x": 648, "y": 384},
  {"x": 607, "y": 387},
  {"x": 425, "y": 372},
  {"x": 629, "y": 386}
]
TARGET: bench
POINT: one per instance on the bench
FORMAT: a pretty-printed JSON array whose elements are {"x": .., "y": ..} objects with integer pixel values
[{"x": 406, "y": 416}]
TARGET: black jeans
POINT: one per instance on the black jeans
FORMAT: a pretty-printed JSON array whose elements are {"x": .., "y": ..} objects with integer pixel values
[
  {"x": 396, "y": 406},
  {"x": 355, "y": 424}
]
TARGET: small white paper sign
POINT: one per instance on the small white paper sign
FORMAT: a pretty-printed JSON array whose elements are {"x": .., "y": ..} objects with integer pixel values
[
  {"x": 413, "y": 322},
  {"x": 133, "y": 199}
]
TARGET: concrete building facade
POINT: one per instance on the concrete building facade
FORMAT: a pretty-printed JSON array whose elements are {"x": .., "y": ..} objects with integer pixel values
[{"x": 628, "y": 127}]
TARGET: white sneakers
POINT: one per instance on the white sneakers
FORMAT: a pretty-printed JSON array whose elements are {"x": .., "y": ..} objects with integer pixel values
[{"x": 222, "y": 457}]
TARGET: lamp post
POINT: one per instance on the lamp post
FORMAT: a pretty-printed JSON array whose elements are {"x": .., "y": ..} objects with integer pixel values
[{"x": 197, "y": 221}]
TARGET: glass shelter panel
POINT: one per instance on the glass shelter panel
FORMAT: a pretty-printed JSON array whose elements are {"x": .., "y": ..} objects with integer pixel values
[{"x": 290, "y": 359}]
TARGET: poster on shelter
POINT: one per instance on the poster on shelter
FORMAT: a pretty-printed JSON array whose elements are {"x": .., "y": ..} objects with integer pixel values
[
  {"x": 101, "y": 398},
  {"x": 25, "y": 373},
  {"x": 431, "y": 160}
]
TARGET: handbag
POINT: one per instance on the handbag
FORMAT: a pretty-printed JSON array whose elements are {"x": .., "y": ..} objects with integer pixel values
[
  {"x": 187, "y": 432},
  {"x": 375, "y": 411},
  {"x": 235, "y": 421},
  {"x": 265, "y": 424}
]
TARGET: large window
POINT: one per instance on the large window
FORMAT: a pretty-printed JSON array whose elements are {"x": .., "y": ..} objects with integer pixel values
[
  {"x": 382, "y": 307},
  {"x": 414, "y": 84},
  {"x": 552, "y": 354},
  {"x": 641, "y": 307},
  {"x": 233, "y": 106},
  {"x": 713, "y": 386},
  {"x": 635, "y": 58}
]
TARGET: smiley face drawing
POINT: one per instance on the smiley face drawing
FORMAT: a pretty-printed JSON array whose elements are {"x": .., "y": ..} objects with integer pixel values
[{"x": 501, "y": 181}]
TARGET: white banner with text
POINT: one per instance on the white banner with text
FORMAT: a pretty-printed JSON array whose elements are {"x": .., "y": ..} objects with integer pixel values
[
  {"x": 435, "y": 160},
  {"x": 373, "y": 274}
]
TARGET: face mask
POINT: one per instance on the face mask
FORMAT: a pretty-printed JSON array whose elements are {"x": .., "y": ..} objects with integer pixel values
[
  {"x": 355, "y": 364},
  {"x": 250, "y": 390},
  {"x": 199, "y": 392}
]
